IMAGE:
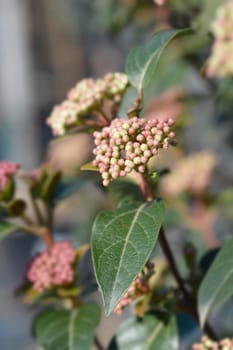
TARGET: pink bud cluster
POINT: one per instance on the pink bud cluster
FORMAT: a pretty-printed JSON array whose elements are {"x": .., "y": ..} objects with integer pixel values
[
  {"x": 220, "y": 62},
  {"x": 128, "y": 145},
  {"x": 7, "y": 170},
  {"x": 192, "y": 174},
  {"x": 53, "y": 267},
  {"x": 86, "y": 97},
  {"x": 208, "y": 344},
  {"x": 138, "y": 288}
]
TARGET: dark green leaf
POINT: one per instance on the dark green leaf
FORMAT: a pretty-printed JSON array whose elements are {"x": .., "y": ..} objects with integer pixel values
[
  {"x": 142, "y": 61},
  {"x": 68, "y": 330},
  {"x": 122, "y": 241},
  {"x": 127, "y": 101},
  {"x": 89, "y": 166},
  {"x": 50, "y": 185},
  {"x": 217, "y": 286},
  {"x": 125, "y": 188},
  {"x": 207, "y": 259},
  {"x": 149, "y": 333},
  {"x": 6, "y": 228}
]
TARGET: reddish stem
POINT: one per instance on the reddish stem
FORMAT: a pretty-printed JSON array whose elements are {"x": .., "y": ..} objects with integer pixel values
[{"x": 190, "y": 301}]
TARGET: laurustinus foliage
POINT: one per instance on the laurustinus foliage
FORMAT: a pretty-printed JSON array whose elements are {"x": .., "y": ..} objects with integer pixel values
[
  {"x": 127, "y": 145},
  {"x": 54, "y": 267},
  {"x": 220, "y": 61}
]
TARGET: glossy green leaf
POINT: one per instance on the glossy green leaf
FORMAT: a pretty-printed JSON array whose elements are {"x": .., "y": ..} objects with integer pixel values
[
  {"x": 149, "y": 333},
  {"x": 7, "y": 228},
  {"x": 142, "y": 61},
  {"x": 89, "y": 167},
  {"x": 122, "y": 241},
  {"x": 68, "y": 330},
  {"x": 217, "y": 286}
]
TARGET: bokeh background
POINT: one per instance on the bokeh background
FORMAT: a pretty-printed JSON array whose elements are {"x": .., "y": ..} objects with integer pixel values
[{"x": 46, "y": 46}]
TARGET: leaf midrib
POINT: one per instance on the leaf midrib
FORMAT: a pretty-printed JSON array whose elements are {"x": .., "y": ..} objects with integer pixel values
[
  {"x": 71, "y": 329},
  {"x": 137, "y": 213},
  {"x": 160, "y": 49},
  {"x": 143, "y": 74},
  {"x": 152, "y": 337}
]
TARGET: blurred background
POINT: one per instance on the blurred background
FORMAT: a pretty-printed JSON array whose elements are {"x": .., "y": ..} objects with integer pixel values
[{"x": 46, "y": 46}]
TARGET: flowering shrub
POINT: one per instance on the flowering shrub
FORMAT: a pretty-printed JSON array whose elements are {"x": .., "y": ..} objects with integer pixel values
[{"x": 131, "y": 148}]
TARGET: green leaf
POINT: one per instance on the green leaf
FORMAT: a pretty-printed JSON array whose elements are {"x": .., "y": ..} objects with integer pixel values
[
  {"x": 142, "y": 61},
  {"x": 50, "y": 185},
  {"x": 217, "y": 286},
  {"x": 149, "y": 333},
  {"x": 89, "y": 166},
  {"x": 68, "y": 330},
  {"x": 127, "y": 101},
  {"x": 122, "y": 241},
  {"x": 6, "y": 228}
]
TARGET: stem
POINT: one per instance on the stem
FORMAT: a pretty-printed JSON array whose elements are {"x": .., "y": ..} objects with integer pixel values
[
  {"x": 36, "y": 210},
  {"x": 42, "y": 232},
  {"x": 26, "y": 219},
  {"x": 98, "y": 344},
  {"x": 104, "y": 120},
  {"x": 190, "y": 301},
  {"x": 50, "y": 215},
  {"x": 92, "y": 124},
  {"x": 168, "y": 253}
]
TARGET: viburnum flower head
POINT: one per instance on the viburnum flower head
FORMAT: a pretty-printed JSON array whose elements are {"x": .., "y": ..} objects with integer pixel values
[
  {"x": 86, "y": 98},
  {"x": 66, "y": 116},
  {"x": 54, "y": 267},
  {"x": 7, "y": 170},
  {"x": 127, "y": 145}
]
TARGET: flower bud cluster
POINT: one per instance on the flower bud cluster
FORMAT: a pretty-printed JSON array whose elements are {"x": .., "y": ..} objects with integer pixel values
[
  {"x": 53, "y": 267},
  {"x": 65, "y": 116},
  {"x": 86, "y": 97},
  {"x": 128, "y": 145},
  {"x": 208, "y": 344},
  {"x": 191, "y": 174},
  {"x": 7, "y": 170},
  {"x": 138, "y": 288},
  {"x": 220, "y": 62}
]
